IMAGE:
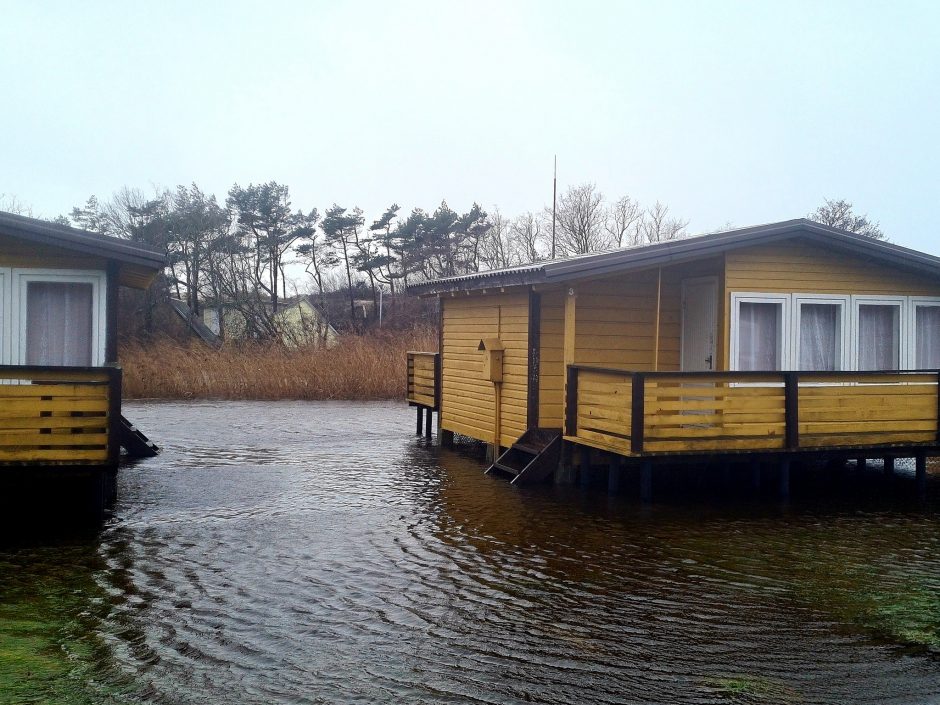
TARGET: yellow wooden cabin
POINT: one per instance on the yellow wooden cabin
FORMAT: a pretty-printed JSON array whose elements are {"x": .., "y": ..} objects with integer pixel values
[
  {"x": 778, "y": 341},
  {"x": 60, "y": 386}
]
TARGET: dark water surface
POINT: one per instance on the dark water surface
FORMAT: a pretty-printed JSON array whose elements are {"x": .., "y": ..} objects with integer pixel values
[{"x": 319, "y": 552}]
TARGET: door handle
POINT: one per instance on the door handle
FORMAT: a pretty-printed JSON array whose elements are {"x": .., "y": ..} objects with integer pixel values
[{"x": 708, "y": 361}]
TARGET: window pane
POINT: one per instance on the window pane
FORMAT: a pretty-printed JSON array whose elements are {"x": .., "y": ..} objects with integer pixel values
[
  {"x": 927, "y": 332},
  {"x": 759, "y": 336},
  {"x": 58, "y": 323},
  {"x": 878, "y": 337},
  {"x": 820, "y": 337}
]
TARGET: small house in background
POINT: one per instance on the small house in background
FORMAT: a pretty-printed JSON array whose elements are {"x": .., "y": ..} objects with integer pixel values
[
  {"x": 60, "y": 386},
  {"x": 299, "y": 321},
  {"x": 781, "y": 342}
]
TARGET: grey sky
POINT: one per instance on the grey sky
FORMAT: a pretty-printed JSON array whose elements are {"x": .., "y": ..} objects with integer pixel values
[{"x": 729, "y": 112}]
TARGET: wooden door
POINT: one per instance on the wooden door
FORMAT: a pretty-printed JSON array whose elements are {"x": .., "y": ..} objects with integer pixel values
[{"x": 699, "y": 324}]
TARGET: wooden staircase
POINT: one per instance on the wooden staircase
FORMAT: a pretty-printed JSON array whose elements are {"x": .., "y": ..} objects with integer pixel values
[
  {"x": 135, "y": 442},
  {"x": 531, "y": 459}
]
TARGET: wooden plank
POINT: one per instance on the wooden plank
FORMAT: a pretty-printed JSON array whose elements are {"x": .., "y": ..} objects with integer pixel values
[
  {"x": 693, "y": 446},
  {"x": 865, "y": 439},
  {"x": 26, "y": 439},
  {"x": 63, "y": 455},
  {"x": 860, "y": 426},
  {"x": 26, "y": 391},
  {"x": 602, "y": 442}
]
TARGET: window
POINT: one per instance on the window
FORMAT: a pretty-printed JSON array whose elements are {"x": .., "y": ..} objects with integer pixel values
[
  {"x": 59, "y": 323},
  {"x": 820, "y": 333},
  {"x": 878, "y": 335},
  {"x": 761, "y": 339},
  {"x": 57, "y": 317},
  {"x": 832, "y": 332},
  {"x": 927, "y": 335}
]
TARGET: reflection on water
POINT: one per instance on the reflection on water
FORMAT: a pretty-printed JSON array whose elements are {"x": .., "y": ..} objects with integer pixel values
[{"x": 304, "y": 552}]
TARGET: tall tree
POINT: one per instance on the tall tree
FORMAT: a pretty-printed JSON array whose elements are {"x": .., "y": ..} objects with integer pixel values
[
  {"x": 341, "y": 230},
  {"x": 263, "y": 217},
  {"x": 624, "y": 222},
  {"x": 840, "y": 214},
  {"x": 382, "y": 235},
  {"x": 657, "y": 226},
  {"x": 580, "y": 221}
]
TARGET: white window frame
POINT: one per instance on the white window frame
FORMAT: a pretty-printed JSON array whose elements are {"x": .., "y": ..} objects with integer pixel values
[
  {"x": 6, "y": 328},
  {"x": 20, "y": 280},
  {"x": 785, "y": 343},
  {"x": 883, "y": 300},
  {"x": 915, "y": 302},
  {"x": 845, "y": 332}
]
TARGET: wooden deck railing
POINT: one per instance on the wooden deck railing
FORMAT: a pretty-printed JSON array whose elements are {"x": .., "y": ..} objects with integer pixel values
[
  {"x": 424, "y": 379},
  {"x": 636, "y": 413},
  {"x": 59, "y": 415}
]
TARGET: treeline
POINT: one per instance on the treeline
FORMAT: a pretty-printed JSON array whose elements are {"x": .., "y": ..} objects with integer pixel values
[
  {"x": 238, "y": 252},
  {"x": 241, "y": 253}
]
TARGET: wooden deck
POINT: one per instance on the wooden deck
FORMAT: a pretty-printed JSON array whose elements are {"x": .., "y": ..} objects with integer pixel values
[
  {"x": 58, "y": 416},
  {"x": 673, "y": 413}
]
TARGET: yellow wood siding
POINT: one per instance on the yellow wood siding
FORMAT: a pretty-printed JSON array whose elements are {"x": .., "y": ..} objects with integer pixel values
[
  {"x": 551, "y": 361},
  {"x": 799, "y": 267},
  {"x": 468, "y": 402}
]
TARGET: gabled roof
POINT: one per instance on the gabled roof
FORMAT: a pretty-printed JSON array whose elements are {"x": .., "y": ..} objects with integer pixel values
[
  {"x": 142, "y": 262},
  {"x": 687, "y": 249}
]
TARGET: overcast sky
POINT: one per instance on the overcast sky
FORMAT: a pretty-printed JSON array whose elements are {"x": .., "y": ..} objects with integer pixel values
[{"x": 730, "y": 113}]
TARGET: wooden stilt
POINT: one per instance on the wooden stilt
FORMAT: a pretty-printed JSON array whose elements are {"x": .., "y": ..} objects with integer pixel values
[
  {"x": 646, "y": 481},
  {"x": 585, "y": 466},
  {"x": 447, "y": 437},
  {"x": 420, "y": 419},
  {"x": 427, "y": 424},
  {"x": 920, "y": 474},
  {"x": 613, "y": 473},
  {"x": 889, "y": 466},
  {"x": 565, "y": 474},
  {"x": 784, "y": 488},
  {"x": 861, "y": 464}
]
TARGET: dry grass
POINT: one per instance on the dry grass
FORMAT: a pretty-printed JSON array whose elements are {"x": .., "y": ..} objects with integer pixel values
[{"x": 361, "y": 367}]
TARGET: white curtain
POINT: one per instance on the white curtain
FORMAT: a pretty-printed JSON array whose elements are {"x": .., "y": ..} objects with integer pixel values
[
  {"x": 58, "y": 323},
  {"x": 927, "y": 332},
  {"x": 758, "y": 336},
  {"x": 819, "y": 337},
  {"x": 878, "y": 337}
]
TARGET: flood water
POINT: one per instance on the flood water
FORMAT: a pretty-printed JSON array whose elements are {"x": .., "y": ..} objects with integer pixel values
[{"x": 320, "y": 552}]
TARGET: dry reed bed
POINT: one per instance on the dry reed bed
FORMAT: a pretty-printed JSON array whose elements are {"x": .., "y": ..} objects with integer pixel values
[{"x": 360, "y": 367}]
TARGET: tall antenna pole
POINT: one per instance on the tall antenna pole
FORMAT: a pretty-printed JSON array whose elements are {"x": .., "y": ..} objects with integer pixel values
[{"x": 554, "y": 195}]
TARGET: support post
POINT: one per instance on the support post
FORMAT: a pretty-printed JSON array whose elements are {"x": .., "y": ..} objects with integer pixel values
[
  {"x": 784, "y": 488},
  {"x": 646, "y": 482},
  {"x": 420, "y": 420},
  {"x": 861, "y": 464},
  {"x": 115, "y": 376},
  {"x": 571, "y": 402},
  {"x": 889, "y": 466},
  {"x": 920, "y": 474},
  {"x": 447, "y": 437},
  {"x": 585, "y": 466},
  {"x": 427, "y": 423},
  {"x": 568, "y": 356},
  {"x": 791, "y": 391},
  {"x": 613, "y": 473},
  {"x": 659, "y": 294},
  {"x": 637, "y": 412}
]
